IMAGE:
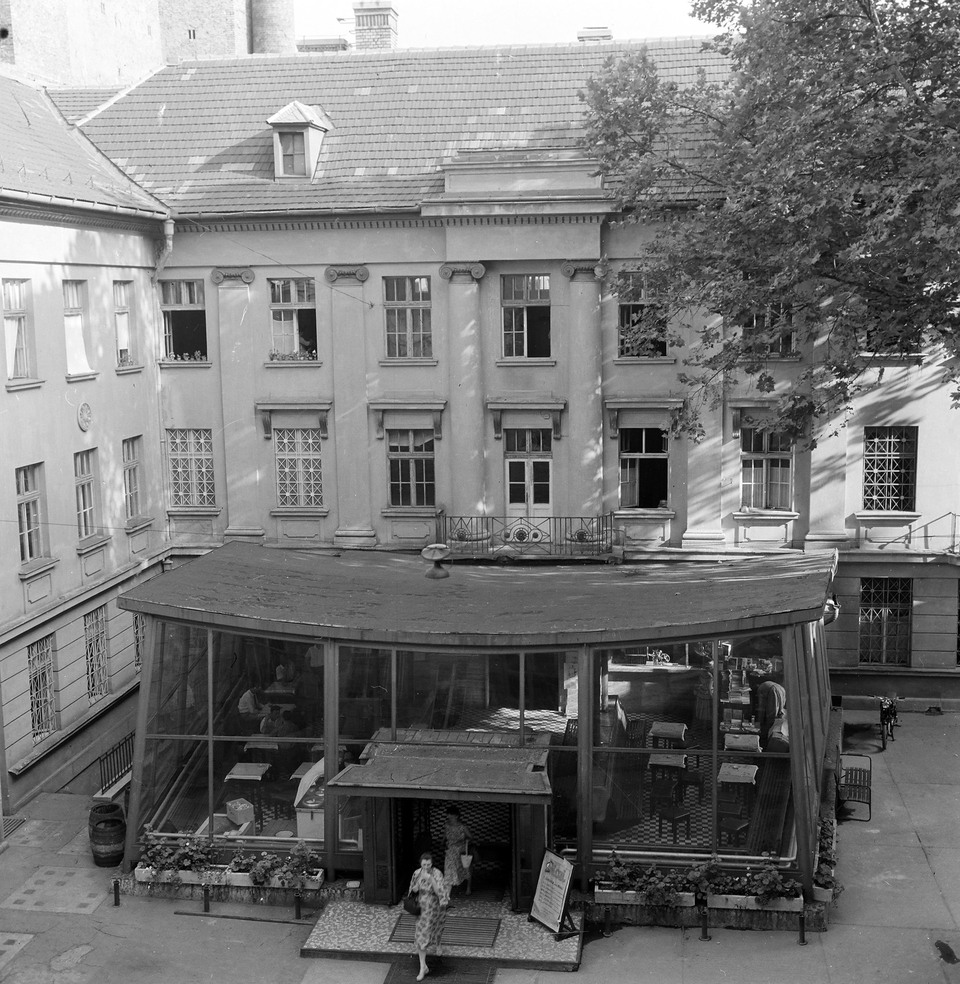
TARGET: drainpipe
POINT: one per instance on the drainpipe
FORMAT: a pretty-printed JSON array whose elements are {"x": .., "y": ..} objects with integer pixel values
[{"x": 165, "y": 249}]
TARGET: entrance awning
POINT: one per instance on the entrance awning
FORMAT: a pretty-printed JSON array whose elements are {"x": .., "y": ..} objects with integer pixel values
[{"x": 488, "y": 773}]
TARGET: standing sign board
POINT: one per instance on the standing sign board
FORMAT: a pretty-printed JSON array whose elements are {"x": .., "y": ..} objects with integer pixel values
[{"x": 553, "y": 892}]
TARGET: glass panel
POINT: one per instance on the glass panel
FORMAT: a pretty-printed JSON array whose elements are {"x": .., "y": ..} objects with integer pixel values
[
  {"x": 178, "y": 689},
  {"x": 364, "y": 692}
]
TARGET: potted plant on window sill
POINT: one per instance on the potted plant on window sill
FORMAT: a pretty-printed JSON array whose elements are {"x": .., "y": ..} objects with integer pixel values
[
  {"x": 760, "y": 888},
  {"x": 629, "y": 883}
]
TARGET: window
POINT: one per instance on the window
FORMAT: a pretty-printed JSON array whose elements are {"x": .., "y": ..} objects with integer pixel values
[
  {"x": 768, "y": 333},
  {"x": 132, "y": 453},
  {"x": 410, "y": 459},
  {"x": 766, "y": 460},
  {"x": 293, "y": 313},
  {"x": 17, "y": 329},
  {"x": 643, "y": 468},
  {"x": 29, "y": 495},
  {"x": 95, "y": 653},
  {"x": 191, "y": 466},
  {"x": 298, "y": 466},
  {"x": 74, "y": 318},
  {"x": 885, "y": 619},
  {"x": 191, "y": 34},
  {"x": 889, "y": 468},
  {"x": 43, "y": 706},
  {"x": 293, "y": 158},
  {"x": 86, "y": 491},
  {"x": 123, "y": 322},
  {"x": 184, "y": 320},
  {"x": 406, "y": 301},
  {"x": 643, "y": 325},
  {"x": 526, "y": 316},
  {"x": 139, "y": 639}
]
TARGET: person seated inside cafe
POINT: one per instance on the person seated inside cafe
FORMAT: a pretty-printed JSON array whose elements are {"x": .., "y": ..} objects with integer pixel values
[
  {"x": 772, "y": 715},
  {"x": 251, "y": 707},
  {"x": 273, "y": 721}
]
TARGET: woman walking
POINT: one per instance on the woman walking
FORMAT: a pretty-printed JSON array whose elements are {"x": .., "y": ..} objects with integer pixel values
[
  {"x": 433, "y": 894},
  {"x": 458, "y": 839}
]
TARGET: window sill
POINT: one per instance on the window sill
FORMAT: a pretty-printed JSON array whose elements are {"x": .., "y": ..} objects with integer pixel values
[
  {"x": 292, "y": 363},
  {"x": 770, "y": 357},
  {"x": 887, "y": 516},
  {"x": 15, "y": 385},
  {"x": 307, "y": 512},
  {"x": 644, "y": 360},
  {"x": 37, "y": 567},
  {"x": 194, "y": 511},
  {"x": 91, "y": 543},
  {"x": 408, "y": 512},
  {"x": 80, "y": 377},
  {"x": 409, "y": 362},
  {"x": 526, "y": 362},
  {"x": 893, "y": 358},
  {"x": 128, "y": 370},
  {"x": 640, "y": 512},
  {"x": 183, "y": 364},
  {"x": 136, "y": 524},
  {"x": 748, "y": 516}
]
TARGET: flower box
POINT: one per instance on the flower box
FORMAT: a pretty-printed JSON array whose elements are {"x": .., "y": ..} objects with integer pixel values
[
  {"x": 613, "y": 896},
  {"x": 821, "y": 894},
  {"x": 750, "y": 902},
  {"x": 216, "y": 875}
]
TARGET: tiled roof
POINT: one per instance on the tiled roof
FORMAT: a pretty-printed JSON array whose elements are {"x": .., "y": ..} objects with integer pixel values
[
  {"x": 41, "y": 155},
  {"x": 196, "y": 134},
  {"x": 77, "y": 103}
]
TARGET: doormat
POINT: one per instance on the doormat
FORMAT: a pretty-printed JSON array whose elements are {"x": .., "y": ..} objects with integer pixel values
[
  {"x": 462, "y": 972},
  {"x": 457, "y": 930},
  {"x": 10, "y": 824}
]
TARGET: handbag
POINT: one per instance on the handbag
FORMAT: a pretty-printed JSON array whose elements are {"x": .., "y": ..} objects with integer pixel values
[
  {"x": 466, "y": 860},
  {"x": 411, "y": 904}
]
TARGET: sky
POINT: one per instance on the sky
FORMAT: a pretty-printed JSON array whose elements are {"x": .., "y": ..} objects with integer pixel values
[{"x": 444, "y": 23}]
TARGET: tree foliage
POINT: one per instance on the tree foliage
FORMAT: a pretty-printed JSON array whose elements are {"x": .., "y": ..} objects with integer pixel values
[{"x": 814, "y": 185}]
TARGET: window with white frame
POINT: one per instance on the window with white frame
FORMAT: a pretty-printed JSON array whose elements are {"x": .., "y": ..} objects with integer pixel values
[
  {"x": 18, "y": 330},
  {"x": 526, "y": 315},
  {"x": 139, "y": 639},
  {"x": 43, "y": 688},
  {"x": 299, "y": 474},
  {"x": 123, "y": 322},
  {"x": 766, "y": 468},
  {"x": 886, "y": 606},
  {"x": 889, "y": 469},
  {"x": 190, "y": 453},
  {"x": 184, "y": 320},
  {"x": 643, "y": 467},
  {"x": 85, "y": 483},
  {"x": 30, "y": 511},
  {"x": 95, "y": 653},
  {"x": 293, "y": 319},
  {"x": 406, "y": 302},
  {"x": 768, "y": 332},
  {"x": 74, "y": 324},
  {"x": 293, "y": 156},
  {"x": 410, "y": 459},
  {"x": 642, "y": 330},
  {"x": 132, "y": 454}
]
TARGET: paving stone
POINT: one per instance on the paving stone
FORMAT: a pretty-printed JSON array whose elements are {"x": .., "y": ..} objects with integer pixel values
[{"x": 50, "y": 889}]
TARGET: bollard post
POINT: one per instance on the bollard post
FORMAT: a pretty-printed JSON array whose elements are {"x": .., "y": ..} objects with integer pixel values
[
  {"x": 206, "y": 898},
  {"x": 116, "y": 891},
  {"x": 704, "y": 926},
  {"x": 607, "y": 921},
  {"x": 297, "y": 901},
  {"x": 803, "y": 930}
]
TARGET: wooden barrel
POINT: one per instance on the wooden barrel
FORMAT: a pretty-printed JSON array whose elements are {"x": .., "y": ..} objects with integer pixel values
[{"x": 108, "y": 831}]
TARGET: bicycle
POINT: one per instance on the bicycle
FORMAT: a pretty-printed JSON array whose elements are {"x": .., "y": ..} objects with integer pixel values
[{"x": 889, "y": 719}]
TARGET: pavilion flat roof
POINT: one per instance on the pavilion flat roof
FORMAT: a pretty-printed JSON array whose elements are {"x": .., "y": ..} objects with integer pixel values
[{"x": 376, "y": 597}]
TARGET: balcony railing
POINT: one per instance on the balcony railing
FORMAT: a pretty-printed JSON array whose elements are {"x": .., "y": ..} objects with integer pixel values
[{"x": 507, "y": 537}]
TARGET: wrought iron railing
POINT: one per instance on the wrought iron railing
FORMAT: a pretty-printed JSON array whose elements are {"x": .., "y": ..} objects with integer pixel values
[
  {"x": 116, "y": 762},
  {"x": 550, "y": 536}
]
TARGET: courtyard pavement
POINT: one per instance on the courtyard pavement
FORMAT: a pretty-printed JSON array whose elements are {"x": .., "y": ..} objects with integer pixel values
[{"x": 897, "y": 921}]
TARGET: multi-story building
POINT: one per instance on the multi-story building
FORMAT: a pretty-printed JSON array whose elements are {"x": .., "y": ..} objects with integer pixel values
[{"x": 385, "y": 316}]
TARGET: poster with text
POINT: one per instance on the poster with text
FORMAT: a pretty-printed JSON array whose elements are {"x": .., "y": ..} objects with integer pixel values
[{"x": 553, "y": 887}]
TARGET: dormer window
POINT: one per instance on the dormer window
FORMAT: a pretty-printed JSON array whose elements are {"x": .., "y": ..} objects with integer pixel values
[{"x": 297, "y": 134}]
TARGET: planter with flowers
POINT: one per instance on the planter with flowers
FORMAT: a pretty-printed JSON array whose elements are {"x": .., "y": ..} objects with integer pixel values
[{"x": 826, "y": 887}]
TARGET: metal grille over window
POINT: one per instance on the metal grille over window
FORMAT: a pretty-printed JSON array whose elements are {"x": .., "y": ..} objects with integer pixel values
[
  {"x": 95, "y": 652},
  {"x": 43, "y": 708},
  {"x": 406, "y": 302},
  {"x": 411, "y": 462},
  {"x": 293, "y": 314},
  {"x": 886, "y": 605},
  {"x": 191, "y": 467},
  {"x": 766, "y": 460},
  {"x": 526, "y": 316},
  {"x": 299, "y": 480},
  {"x": 889, "y": 468}
]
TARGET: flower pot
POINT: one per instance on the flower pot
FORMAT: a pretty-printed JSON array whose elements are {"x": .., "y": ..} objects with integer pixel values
[
  {"x": 241, "y": 879},
  {"x": 821, "y": 894},
  {"x": 613, "y": 896},
  {"x": 144, "y": 874},
  {"x": 750, "y": 902}
]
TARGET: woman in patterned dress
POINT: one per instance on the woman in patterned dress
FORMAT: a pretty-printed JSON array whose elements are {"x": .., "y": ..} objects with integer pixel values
[
  {"x": 433, "y": 894},
  {"x": 457, "y": 836}
]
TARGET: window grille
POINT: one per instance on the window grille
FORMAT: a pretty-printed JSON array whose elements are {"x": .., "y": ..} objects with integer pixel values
[
  {"x": 889, "y": 468},
  {"x": 766, "y": 465},
  {"x": 28, "y": 512},
  {"x": 406, "y": 303},
  {"x": 299, "y": 481},
  {"x": 411, "y": 465},
  {"x": 886, "y": 605},
  {"x": 43, "y": 707},
  {"x": 191, "y": 466},
  {"x": 95, "y": 652},
  {"x": 131, "y": 477}
]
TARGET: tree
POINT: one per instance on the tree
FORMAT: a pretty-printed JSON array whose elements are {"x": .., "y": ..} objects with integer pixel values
[{"x": 808, "y": 192}]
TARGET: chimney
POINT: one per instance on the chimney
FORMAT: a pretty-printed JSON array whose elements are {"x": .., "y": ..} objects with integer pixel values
[
  {"x": 592, "y": 35},
  {"x": 374, "y": 24}
]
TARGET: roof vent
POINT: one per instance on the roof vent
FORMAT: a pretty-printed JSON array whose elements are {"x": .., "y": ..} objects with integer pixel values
[{"x": 594, "y": 34}]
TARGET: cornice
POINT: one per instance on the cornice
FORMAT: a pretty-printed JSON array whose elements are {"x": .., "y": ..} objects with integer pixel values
[{"x": 76, "y": 216}]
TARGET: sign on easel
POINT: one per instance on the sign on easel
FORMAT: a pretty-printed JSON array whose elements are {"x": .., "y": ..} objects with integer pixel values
[{"x": 552, "y": 894}]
